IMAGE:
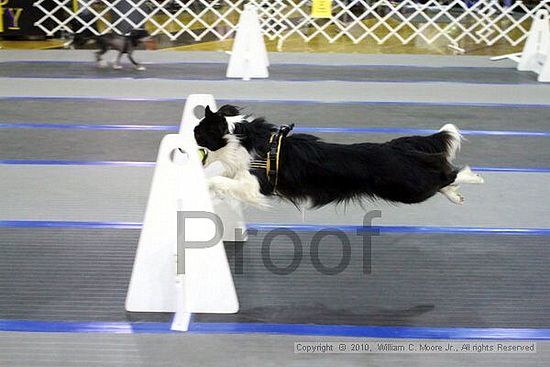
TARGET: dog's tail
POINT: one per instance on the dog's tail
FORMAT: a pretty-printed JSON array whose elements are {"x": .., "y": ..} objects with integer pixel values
[
  {"x": 445, "y": 143},
  {"x": 452, "y": 139},
  {"x": 80, "y": 39},
  {"x": 229, "y": 110}
]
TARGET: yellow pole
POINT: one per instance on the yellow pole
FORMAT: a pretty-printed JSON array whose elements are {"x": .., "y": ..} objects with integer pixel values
[{"x": 75, "y": 6}]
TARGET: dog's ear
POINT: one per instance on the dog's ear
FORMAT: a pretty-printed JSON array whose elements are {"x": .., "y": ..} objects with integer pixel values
[{"x": 208, "y": 112}]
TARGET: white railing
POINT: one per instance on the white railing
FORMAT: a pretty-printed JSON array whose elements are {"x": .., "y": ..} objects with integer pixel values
[{"x": 451, "y": 21}]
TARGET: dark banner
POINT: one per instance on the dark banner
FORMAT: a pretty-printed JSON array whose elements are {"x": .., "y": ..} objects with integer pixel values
[{"x": 17, "y": 18}]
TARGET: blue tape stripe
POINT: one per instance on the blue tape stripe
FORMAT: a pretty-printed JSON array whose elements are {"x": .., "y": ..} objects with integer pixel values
[
  {"x": 323, "y": 130},
  {"x": 402, "y": 229},
  {"x": 284, "y": 329},
  {"x": 511, "y": 169},
  {"x": 47, "y": 162},
  {"x": 295, "y": 227},
  {"x": 284, "y": 101},
  {"x": 389, "y": 130},
  {"x": 69, "y": 224},
  {"x": 84, "y": 326},
  {"x": 289, "y": 80},
  {"x": 32, "y": 125}
]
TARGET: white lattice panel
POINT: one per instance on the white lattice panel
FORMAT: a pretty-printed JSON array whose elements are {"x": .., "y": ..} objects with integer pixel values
[{"x": 405, "y": 21}]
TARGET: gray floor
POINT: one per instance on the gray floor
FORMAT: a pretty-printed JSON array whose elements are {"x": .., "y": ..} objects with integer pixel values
[
  {"x": 142, "y": 146},
  {"x": 416, "y": 280},
  {"x": 502, "y": 287},
  {"x": 396, "y": 114},
  {"x": 210, "y": 71},
  {"x": 323, "y": 91},
  {"x": 120, "y": 194},
  {"x": 48, "y": 350},
  {"x": 336, "y": 59}
]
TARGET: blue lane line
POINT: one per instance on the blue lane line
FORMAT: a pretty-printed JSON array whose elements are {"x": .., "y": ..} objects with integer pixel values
[
  {"x": 282, "y": 101},
  {"x": 324, "y": 130},
  {"x": 390, "y": 130},
  {"x": 294, "y": 227},
  {"x": 511, "y": 169},
  {"x": 282, "y": 329},
  {"x": 221, "y": 79},
  {"x": 47, "y": 162},
  {"x": 402, "y": 229},
  {"x": 32, "y": 125},
  {"x": 84, "y": 326},
  {"x": 69, "y": 224}
]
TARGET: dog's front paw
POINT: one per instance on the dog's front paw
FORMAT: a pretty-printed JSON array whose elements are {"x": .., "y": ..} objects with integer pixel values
[
  {"x": 101, "y": 64},
  {"x": 117, "y": 66},
  {"x": 140, "y": 67},
  {"x": 217, "y": 189}
]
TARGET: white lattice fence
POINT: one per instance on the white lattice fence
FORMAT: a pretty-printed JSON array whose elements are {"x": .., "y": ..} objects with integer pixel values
[{"x": 453, "y": 21}]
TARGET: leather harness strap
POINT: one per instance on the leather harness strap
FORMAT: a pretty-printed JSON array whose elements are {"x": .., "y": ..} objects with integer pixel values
[{"x": 273, "y": 160}]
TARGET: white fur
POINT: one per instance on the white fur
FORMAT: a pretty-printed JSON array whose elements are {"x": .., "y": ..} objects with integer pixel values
[
  {"x": 232, "y": 120},
  {"x": 451, "y": 193},
  {"x": 466, "y": 176},
  {"x": 455, "y": 141},
  {"x": 236, "y": 181}
]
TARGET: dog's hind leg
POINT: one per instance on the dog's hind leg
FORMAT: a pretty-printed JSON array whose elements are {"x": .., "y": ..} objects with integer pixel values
[
  {"x": 98, "y": 56},
  {"x": 136, "y": 65},
  {"x": 117, "y": 65},
  {"x": 451, "y": 193},
  {"x": 466, "y": 176}
]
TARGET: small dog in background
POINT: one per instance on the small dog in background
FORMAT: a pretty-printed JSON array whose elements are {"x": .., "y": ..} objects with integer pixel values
[
  {"x": 123, "y": 44},
  {"x": 261, "y": 160}
]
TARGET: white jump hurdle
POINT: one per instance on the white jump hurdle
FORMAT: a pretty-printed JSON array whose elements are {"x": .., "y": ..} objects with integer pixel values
[
  {"x": 179, "y": 184},
  {"x": 535, "y": 56},
  {"x": 228, "y": 210},
  {"x": 249, "y": 55}
]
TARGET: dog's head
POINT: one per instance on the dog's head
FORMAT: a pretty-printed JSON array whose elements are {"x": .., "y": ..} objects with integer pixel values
[
  {"x": 138, "y": 35},
  {"x": 211, "y": 131}
]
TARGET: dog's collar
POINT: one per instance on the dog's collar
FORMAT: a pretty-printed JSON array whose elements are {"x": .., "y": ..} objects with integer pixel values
[{"x": 272, "y": 163}]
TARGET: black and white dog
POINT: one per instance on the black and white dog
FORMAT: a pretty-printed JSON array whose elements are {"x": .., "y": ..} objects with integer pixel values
[
  {"x": 406, "y": 170},
  {"x": 123, "y": 44}
]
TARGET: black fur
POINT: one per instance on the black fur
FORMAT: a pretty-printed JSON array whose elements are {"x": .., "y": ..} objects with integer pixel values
[
  {"x": 407, "y": 170},
  {"x": 111, "y": 41}
]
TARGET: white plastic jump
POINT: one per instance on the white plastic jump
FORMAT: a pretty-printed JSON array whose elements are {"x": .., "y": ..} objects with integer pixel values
[
  {"x": 229, "y": 210},
  {"x": 249, "y": 55},
  {"x": 179, "y": 184},
  {"x": 535, "y": 56}
]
